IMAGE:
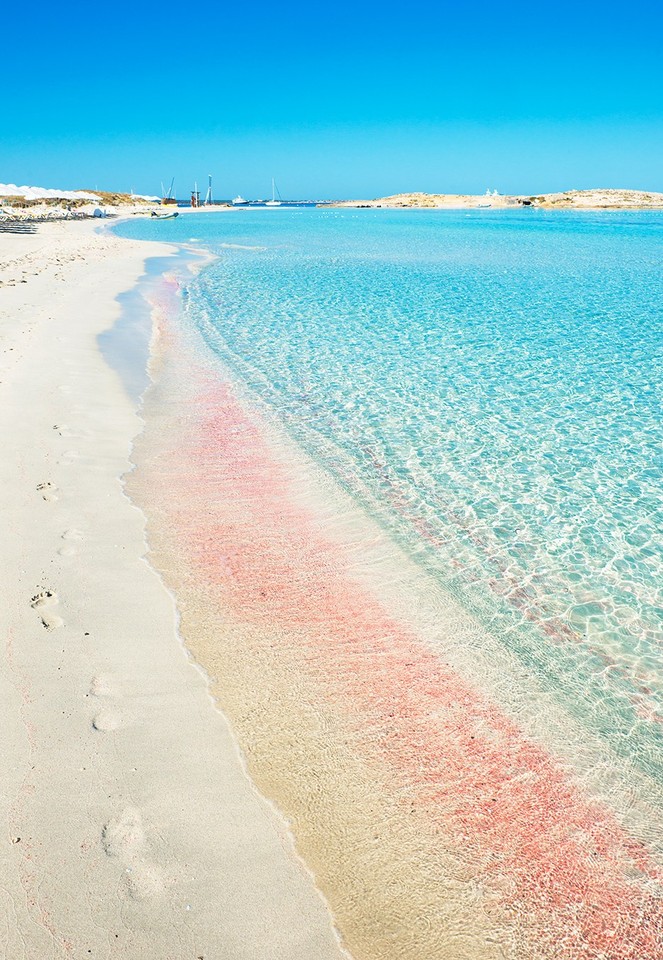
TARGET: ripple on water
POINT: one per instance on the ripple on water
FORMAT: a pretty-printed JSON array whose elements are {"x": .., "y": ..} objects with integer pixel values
[
  {"x": 490, "y": 390},
  {"x": 487, "y": 390}
]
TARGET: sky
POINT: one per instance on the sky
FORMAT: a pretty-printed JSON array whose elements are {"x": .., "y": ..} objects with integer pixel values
[{"x": 345, "y": 99}]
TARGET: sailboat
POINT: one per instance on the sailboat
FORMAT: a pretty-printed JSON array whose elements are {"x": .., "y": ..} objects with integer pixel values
[{"x": 274, "y": 202}]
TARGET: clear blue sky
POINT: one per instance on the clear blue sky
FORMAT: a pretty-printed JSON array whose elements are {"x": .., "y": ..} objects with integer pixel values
[{"x": 345, "y": 99}]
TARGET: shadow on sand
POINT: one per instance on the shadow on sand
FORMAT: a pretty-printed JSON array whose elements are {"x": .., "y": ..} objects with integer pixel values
[{"x": 17, "y": 226}]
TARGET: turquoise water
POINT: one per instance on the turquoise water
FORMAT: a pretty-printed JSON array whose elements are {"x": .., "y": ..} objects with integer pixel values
[{"x": 487, "y": 384}]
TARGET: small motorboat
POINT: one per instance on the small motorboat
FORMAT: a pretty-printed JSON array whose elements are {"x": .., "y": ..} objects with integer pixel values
[
  {"x": 165, "y": 216},
  {"x": 239, "y": 201}
]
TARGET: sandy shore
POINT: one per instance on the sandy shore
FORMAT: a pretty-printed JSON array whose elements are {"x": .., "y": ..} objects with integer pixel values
[
  {"x": 129, "y": 827},
  {"x": 444, "y": 815}
]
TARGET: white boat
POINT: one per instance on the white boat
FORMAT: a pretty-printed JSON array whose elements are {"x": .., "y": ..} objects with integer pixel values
[
  {"x": 239, "y": 201},
  {"x": 273, "y": 202}
]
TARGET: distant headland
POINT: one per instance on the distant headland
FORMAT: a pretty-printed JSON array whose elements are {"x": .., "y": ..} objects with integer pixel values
[
  {"x": 569, "y": 199},
  {"x": 34, "y": 204}
]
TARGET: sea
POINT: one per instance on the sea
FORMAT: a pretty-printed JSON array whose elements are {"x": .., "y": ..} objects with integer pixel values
[{"x": 486, "y": 387}]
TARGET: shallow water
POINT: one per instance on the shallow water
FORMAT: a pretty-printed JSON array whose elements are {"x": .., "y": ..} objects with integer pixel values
[
  {"x": 399, "y": 470},
  {"x": 488, "y": 384}
]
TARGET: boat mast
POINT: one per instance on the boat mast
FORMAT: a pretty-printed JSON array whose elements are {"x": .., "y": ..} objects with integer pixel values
[
  {"x": 168, "y": 197},
  {"x": 208, "y": 198}
]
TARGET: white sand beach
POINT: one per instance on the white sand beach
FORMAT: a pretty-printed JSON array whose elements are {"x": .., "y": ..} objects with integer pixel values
[{"x": 129, "y": 826}]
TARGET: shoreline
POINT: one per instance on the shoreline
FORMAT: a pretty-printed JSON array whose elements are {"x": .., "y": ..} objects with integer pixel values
[
  {"x": 24, "y": 215},
  {"x": 184, "y": 571},
  {"x": 283, "y": 616},
  {"x": 132, "y": 829}
]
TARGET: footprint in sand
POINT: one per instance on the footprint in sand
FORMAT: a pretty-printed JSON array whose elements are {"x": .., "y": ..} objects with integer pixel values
[
  {"x": 69, "y": 457},
  {"x": 103, "y": 685},
  {"x": 106, "y": 721},
  {"x": 143, "y": 881},
  {"x": 48, "y": 490},
  {"x": 124, "y": 839},
  {"x": 44, "y": 602},
  {"x": 71, "y": 536},
  {"x": 77, "y": 433}
]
